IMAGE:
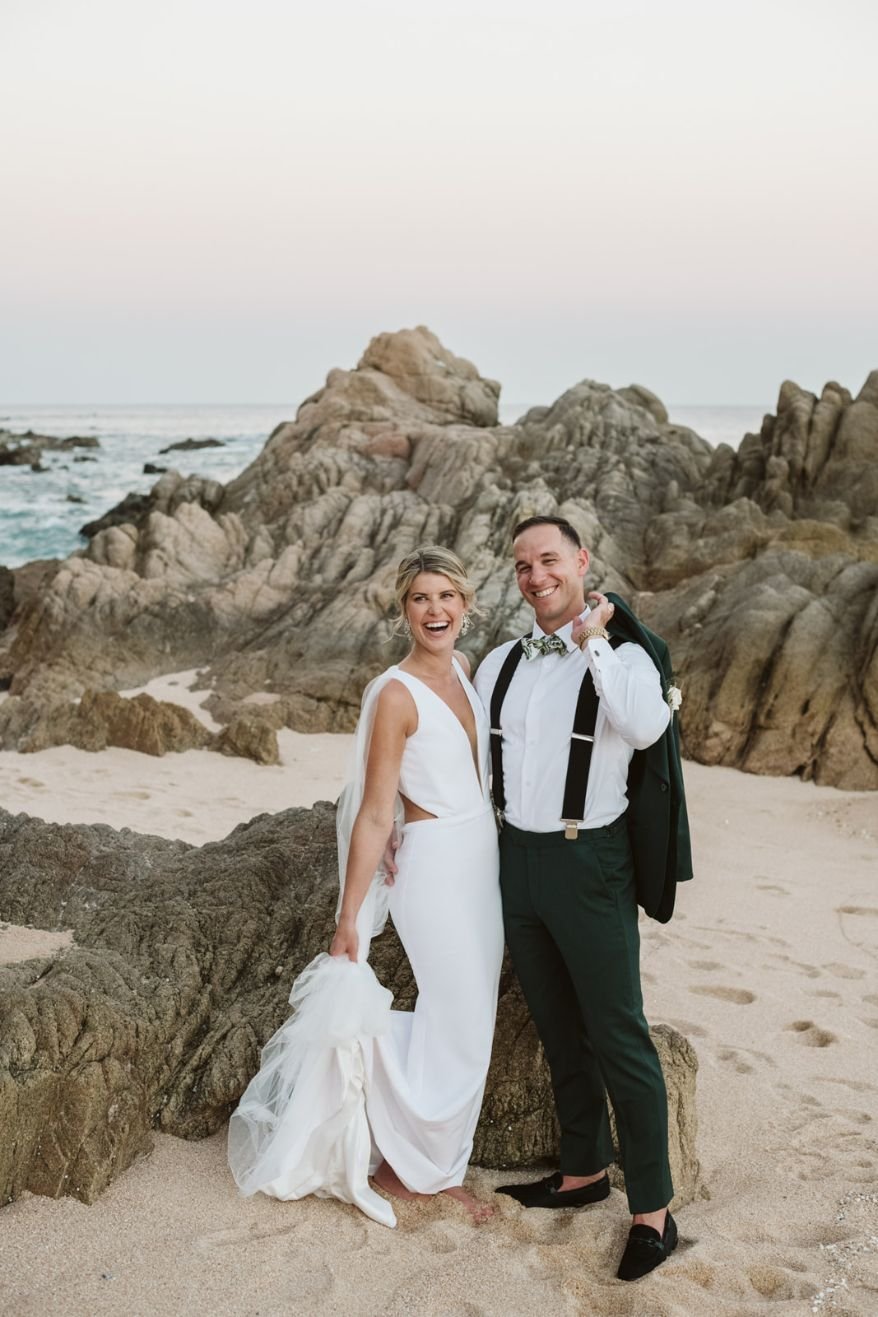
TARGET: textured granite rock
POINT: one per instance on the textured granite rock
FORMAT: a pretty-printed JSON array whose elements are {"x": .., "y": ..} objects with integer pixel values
[
  {"x": 758, "y": 565},
  {"x": 154, "y": 727},
  {"x": 180, "y": 972}
]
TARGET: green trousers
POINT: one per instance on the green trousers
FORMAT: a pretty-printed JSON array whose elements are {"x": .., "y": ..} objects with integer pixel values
[{"x": 571, "y": 926}]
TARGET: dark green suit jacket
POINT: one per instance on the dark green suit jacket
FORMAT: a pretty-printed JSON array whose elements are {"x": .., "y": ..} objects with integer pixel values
[{"x": 657, "y": 818}]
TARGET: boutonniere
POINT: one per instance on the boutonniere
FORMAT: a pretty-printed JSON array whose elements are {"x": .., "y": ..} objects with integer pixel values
[{"x": 674, "y": 698}]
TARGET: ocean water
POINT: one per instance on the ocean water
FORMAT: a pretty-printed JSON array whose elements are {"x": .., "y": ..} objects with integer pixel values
[{"x": 41, "y": 512}]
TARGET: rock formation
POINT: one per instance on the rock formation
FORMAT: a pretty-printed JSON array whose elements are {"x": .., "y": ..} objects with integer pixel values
[
  {"x": 180, "y": 972},
  {"x": 760, "y": 566},
  {"x": 164, "y": 497},
  {"x": 27, "y": 449},
  {"x": 189, "y": 445},
  {"x": 154, "y": 727}
]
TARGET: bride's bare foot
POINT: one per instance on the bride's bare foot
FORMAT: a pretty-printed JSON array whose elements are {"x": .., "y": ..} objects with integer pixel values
[
  {"x": 479, "y": 1211},
  {"x": 387, "y": 1179}
]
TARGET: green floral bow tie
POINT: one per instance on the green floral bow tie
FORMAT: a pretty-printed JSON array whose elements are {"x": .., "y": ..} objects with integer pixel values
[{"x": 535, "y": 648}]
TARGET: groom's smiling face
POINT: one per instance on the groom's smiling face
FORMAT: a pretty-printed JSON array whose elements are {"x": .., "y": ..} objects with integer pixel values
[{"x": 550, "y": 570}]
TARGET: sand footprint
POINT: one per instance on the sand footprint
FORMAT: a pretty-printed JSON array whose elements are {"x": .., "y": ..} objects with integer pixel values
[
  {"x": 697, "y": 1271},
  {"x": 732, "y": 1057},
  {"x": 775, "y": 1283},
  {"x": 735, "y": 1056},
  {"x": 851, "y": 1114},
  {"x": 740, "y": 996},
  {"x": 705, "y": 964},
  {"x": 802, "y": 1099},
  {"x": 442, "y": 1241},
  {"x": 687, "y": 1027},
  {"x": 862, "y": 932},
  {"x": 559, "y": 1229},
  {"x": 761, "y": 938},
  {"x": 239, "y": 1235},
  {"x": 842, "y": 971},
  {"x": 809, "y": 971},
  {"x": 855, "y": 1085},
  {"x": 810, "y": 1033}
]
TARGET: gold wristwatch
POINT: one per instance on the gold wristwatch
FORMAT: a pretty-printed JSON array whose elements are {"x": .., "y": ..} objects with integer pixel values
[{"x": 592, "y": 633}]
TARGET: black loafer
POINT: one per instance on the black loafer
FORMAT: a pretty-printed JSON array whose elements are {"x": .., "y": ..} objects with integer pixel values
[
  {"x": 647, "y": 1249},
  {"x": 546, "y": 1193}
]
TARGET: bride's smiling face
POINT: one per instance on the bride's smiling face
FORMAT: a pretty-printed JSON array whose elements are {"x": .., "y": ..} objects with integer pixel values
[{"x": 434, "y": 609}]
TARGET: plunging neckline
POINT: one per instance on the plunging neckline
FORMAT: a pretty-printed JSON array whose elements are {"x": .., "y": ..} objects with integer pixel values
[{"x": 474, "y": 755}]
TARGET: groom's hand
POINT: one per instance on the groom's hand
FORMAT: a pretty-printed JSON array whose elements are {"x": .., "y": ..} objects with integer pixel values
[
  {"x": 388, "y": 859},
  {"x": 600, "y": 614}
]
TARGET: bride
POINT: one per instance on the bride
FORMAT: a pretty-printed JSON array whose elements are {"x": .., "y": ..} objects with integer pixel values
[{"x": 347, "y": 1087}]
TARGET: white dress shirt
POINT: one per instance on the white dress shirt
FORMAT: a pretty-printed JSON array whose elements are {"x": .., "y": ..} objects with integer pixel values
[{"x": 537, "y": 721}]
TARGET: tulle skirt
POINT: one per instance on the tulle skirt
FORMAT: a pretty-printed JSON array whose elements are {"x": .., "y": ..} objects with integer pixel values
[{"x": 346, "y": 1081}]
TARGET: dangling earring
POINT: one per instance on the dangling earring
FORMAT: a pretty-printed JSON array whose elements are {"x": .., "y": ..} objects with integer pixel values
[
  {"x": 465, "y": 624},
  {"x": 406, "y": 628}
]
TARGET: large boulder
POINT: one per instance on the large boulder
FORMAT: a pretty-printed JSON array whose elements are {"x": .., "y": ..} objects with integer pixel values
[
  {"x": 777, "y": 657},
  {"x": 103, "y": 718},
  {"x": 153, "y": 727},
  {"x": 251, "y": 736},
  {"x": 180, "y": 972}
]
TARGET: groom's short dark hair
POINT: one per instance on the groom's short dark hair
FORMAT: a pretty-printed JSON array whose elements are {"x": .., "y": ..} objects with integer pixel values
[{"x": 569, "y": 532}]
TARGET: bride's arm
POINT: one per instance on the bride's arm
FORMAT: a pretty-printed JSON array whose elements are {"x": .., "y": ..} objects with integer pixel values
[{"x": 395, "y": 719}]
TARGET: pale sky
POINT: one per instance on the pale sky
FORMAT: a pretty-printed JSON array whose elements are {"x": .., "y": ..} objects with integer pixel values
[{"x": 221, "y": 200}]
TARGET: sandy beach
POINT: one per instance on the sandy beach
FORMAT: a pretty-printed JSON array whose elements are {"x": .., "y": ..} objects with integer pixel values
[
  {"x": 768, "y": 967},
  {"x": 196, "y": 795}
]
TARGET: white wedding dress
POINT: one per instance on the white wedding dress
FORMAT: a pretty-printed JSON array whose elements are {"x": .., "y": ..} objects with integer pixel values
[{"x": 346, "y": 1081}]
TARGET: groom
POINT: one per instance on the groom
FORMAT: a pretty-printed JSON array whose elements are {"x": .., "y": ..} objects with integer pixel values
[{"x": 567, "y": 880}]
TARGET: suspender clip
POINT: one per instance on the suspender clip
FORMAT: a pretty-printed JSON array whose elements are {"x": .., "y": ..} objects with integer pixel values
[{"x": 571, "y": 829}]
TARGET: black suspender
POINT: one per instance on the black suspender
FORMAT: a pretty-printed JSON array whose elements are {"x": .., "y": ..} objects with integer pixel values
[
  {"x": 579, "y": 759},
  {"x": 581, "y": 741},
  {"x": 498, "y": 695}
]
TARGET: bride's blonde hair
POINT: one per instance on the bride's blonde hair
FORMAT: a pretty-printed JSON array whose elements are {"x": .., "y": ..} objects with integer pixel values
[{"x": 432, "y": 558}]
